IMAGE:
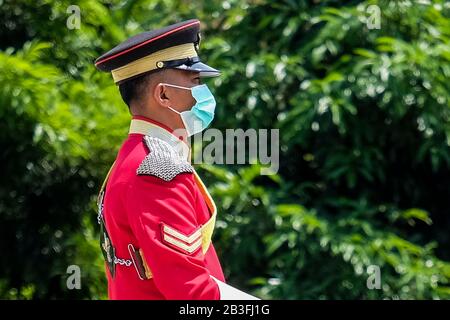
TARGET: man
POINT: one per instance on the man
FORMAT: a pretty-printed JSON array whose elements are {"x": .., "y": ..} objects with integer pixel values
[{"x": 156, "y": 216}]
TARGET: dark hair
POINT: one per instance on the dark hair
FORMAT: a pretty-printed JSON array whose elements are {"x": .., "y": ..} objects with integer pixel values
[{"x": 134, "y": 89}]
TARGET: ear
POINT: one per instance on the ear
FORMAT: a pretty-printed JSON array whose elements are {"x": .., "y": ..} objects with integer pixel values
[{"x": 160, "y": 95}]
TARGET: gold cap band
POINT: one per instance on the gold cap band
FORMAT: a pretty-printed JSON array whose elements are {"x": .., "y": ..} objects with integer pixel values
[{"x": 150, "y": 62}]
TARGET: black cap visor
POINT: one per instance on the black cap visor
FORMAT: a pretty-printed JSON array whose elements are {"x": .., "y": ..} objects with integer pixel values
[{"x": 194, "y": 65}]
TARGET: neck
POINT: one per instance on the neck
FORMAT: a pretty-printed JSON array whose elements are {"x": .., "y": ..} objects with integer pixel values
[
  {"x": 166, "y": 117},
  {"x": 150, "y": 127}
]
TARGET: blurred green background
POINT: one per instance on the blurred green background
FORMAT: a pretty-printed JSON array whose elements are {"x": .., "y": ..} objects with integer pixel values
[{"x": 364, "y": 119}]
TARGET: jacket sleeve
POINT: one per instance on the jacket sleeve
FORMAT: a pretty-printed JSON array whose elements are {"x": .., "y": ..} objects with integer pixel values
[{"x": 163, "y": 219}]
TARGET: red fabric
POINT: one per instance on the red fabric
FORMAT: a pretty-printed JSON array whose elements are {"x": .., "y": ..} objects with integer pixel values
[{"x": 134, "y": 208}]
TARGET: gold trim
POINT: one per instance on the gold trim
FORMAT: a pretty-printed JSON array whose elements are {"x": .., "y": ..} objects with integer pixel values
[
  {"x": 208, "y": 228},
  {"x": 148, "y": 273},
  {"x": 152, "y": 61},
  {"x": 104, "y": 183},
  {"x": 176, "y": 234},
  {"x": 207, "y": 232},
  {"x": 206, "y": 195},
  {"x": 188, "y": 248}
]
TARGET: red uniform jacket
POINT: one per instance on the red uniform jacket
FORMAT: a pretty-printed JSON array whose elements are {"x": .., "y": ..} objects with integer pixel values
[{"x": 155, "y": 201}]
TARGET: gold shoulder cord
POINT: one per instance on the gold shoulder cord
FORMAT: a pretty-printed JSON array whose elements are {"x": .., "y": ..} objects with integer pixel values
[{"x": 102, "y": 189}]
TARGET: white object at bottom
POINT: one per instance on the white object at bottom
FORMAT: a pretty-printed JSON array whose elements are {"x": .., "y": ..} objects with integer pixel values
[{"x": 228, "y": 292}]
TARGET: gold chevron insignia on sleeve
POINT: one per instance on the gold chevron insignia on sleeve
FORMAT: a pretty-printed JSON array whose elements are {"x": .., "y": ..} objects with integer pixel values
[{"x": 178, "y": 240}]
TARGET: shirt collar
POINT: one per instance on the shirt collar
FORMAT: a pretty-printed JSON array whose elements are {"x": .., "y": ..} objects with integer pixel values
[{"x": 152, "y": 128}]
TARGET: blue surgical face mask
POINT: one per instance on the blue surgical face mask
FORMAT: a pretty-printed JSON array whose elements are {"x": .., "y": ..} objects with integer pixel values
[{"x": 202, "y": 113}]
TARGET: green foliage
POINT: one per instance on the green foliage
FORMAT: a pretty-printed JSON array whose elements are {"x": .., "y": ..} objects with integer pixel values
[
  {"x": 364, "y": 138},
  {"x": 327, "y": 257}
]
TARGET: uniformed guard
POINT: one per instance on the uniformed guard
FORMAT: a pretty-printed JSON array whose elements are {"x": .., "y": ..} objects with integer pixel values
[{"x": 155, "y": 214}]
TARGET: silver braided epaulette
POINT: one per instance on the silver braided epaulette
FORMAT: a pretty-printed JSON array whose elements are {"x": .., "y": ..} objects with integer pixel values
[{"x": 162, "y": 161}]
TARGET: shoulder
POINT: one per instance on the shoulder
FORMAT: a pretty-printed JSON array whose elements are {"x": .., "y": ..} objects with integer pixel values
[
  {"x": 161, "y": 180},
  {"x": 162, "y": 161},
  {"x": 145, "y": 159}
]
